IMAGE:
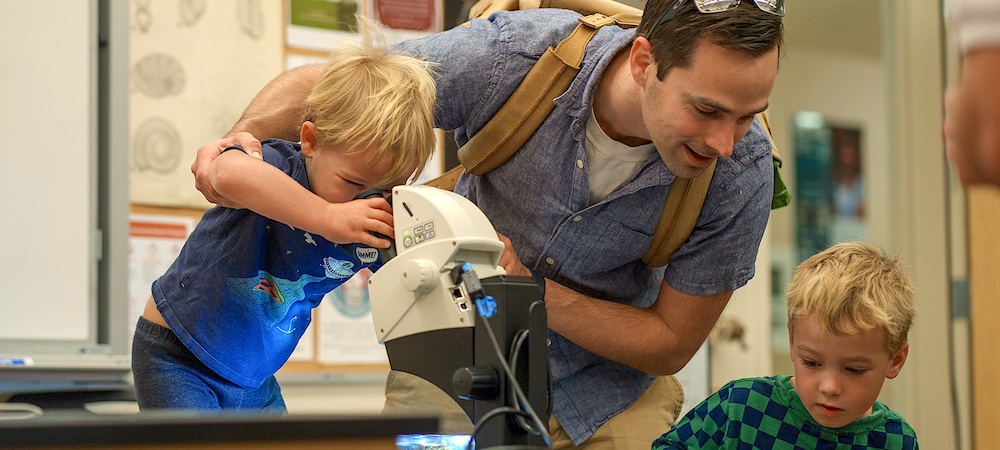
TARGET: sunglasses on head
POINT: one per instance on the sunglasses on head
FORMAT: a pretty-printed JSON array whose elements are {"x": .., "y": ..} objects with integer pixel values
[{"x": 776, "y": 7}]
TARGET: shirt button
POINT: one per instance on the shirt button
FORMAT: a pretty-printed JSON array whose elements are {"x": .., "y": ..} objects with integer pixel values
[
  {"x": 550, "y": 261},
  {"x": 577, "y": 218},
  {"x": 579, "y": 163}
]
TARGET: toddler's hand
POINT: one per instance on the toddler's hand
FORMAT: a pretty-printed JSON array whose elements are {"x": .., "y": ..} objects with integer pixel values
[{"x": 352, "y": 222}]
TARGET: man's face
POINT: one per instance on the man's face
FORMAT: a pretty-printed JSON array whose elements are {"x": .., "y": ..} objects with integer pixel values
[
  {"x": 697, "y": 113},
  {"x": 838, "y": 378}
]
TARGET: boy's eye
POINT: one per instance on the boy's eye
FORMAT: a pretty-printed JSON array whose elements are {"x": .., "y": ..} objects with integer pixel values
[
  {"x": 856, "y": 371},
  {"x": 809, "y": 363}
]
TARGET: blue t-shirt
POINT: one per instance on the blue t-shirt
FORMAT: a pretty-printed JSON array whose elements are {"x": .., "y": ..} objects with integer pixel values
[{"x": 241, "y": 292}]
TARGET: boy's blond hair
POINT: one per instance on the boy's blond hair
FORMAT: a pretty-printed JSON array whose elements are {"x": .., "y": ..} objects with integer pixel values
[
  {"x": 371, "y": 100},
  {"x": 854, "y": 286}
]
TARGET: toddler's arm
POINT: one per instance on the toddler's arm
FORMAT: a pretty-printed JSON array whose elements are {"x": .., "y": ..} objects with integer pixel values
[{"x": 266, "y": 190}]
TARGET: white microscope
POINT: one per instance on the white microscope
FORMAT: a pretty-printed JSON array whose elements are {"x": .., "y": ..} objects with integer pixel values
[{"x": 448, "y": 313}]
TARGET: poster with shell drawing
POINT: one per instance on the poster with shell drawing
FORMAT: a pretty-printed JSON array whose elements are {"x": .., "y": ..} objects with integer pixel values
[{"x": 195, "y": 65}]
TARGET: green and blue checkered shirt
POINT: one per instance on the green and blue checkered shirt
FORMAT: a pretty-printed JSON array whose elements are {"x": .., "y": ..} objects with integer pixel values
[{"x": 766, "y": 414}]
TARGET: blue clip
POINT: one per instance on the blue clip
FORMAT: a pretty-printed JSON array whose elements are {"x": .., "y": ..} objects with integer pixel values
[{"x": 486, "y": 306}]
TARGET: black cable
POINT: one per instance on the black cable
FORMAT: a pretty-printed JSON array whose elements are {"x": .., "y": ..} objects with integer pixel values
[
  {"x": 520, "y": 339},
  {"x": 521, "y": 398},
  {"x": 464, "y": 273},
  {"x": 495, "y": 412}
]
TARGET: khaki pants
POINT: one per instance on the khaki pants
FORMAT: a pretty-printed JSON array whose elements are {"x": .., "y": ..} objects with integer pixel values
[{"x": 635, "y": 428}]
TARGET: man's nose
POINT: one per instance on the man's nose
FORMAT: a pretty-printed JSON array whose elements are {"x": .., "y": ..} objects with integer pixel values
[{"x": 721, "y": 138}]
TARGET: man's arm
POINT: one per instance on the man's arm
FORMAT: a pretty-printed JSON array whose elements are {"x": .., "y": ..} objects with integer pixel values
[
  {"x": 266, "y": 190},
  {"x": 275, "y": 112},
  {"x": 972, "y": 118},
  {"x": 659, "y": 340}
]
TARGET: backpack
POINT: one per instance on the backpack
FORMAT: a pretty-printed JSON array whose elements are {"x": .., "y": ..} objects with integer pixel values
[{"x": 532, "y": 102}]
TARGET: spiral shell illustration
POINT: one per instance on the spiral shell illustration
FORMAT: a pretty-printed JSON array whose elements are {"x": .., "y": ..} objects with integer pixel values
[
  {"x": 251, "y": 18},
  {"x": 156, "y": 146},
  {"x": 159, "y": 75},
  {"x": 191, "y": 11}
]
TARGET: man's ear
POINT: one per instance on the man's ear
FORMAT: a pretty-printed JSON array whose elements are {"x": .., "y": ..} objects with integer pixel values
[
  {"x": 640, "y": 59},
  {"x": 896, "y": 363},
  {"x": 307, "y": 138}
]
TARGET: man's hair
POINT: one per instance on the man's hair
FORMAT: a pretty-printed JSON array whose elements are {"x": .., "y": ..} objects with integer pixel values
[
  {"x": 745, "y": 28},
  {"x": 853, "y": 286},
  {"x": 380, "y": 103}
]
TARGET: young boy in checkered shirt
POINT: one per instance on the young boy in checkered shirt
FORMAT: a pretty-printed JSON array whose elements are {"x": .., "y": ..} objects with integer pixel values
[{"x": 850, "y": 308}]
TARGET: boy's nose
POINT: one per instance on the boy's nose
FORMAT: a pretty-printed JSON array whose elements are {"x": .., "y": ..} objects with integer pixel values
[{"x": 829, "y": 385}]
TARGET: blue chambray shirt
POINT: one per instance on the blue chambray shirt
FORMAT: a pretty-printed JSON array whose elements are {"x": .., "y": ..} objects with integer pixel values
[{"x": 539, "y": 197}]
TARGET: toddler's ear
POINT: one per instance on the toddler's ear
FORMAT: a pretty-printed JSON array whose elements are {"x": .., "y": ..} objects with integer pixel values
[
  {"x": 896, "y": 363},
  {"x": 307, "y": 137}
]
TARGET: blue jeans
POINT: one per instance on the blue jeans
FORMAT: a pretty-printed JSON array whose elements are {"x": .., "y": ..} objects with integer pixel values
[{"x": 168, "y": 376}]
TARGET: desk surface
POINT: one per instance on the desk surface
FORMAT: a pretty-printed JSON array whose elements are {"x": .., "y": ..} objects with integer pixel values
[{"x": 220, "y": 431}]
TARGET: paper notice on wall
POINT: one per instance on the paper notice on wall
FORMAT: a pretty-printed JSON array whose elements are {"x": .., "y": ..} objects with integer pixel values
[
  {"x": 154, "y": 242},
  {"x": 346, "y": 332}
]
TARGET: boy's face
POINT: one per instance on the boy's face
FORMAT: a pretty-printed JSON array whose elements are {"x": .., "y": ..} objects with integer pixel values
[
  {"x": 839, "y": 378},
  {"x": 336, "y": 177}
]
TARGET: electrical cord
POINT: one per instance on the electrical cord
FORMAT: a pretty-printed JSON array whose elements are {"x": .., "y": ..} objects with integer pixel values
[
  {"x": 486, "y": 307},
  {"x": 519, "y": 341}
]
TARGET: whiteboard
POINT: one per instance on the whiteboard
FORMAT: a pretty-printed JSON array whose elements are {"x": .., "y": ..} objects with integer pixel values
[{"x": 48, "y": 130}]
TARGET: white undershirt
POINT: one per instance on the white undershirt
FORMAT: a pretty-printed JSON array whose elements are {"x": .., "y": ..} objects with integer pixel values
[{"x": 611, "y": 162}]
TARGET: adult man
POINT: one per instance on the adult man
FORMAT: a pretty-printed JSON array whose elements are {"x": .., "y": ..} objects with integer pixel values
[{"x": 580, "y": 200}]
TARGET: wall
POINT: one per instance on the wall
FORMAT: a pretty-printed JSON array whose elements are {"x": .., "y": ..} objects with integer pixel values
[{"x": 845, "y": 88}]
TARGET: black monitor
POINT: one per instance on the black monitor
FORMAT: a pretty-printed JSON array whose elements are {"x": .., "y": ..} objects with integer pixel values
[{"x": 212, "y": 431}]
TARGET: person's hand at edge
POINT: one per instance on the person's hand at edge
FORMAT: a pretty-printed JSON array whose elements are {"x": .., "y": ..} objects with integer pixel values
[{"x": 509, "y": 259}]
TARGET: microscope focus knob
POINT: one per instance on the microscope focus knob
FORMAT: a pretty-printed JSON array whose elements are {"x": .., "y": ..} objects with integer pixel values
[
  {"x": 418, "y": 275},
  {"x": 476, "y": 383}
]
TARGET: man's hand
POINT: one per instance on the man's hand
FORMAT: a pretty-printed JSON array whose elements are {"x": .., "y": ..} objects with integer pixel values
[
  {"x": 509, "y": 259},
  {"x": 208, "y": 152}
]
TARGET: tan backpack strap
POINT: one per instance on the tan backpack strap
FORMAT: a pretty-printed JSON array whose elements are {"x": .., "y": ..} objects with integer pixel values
[
  {"x": 762, "y": 118},
  {"x": 588, "y": 7},
  {"x": 679, "y": 216},
  {"x": 483, "y": 8},
  {"x": 447, "y": 180},
  {"x": 683, "y": 206},
  {"x": 531, "y": 102}
]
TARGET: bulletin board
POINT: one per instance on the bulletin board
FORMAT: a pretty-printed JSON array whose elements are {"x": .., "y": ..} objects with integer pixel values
[{"x": 194, "y": 68}]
